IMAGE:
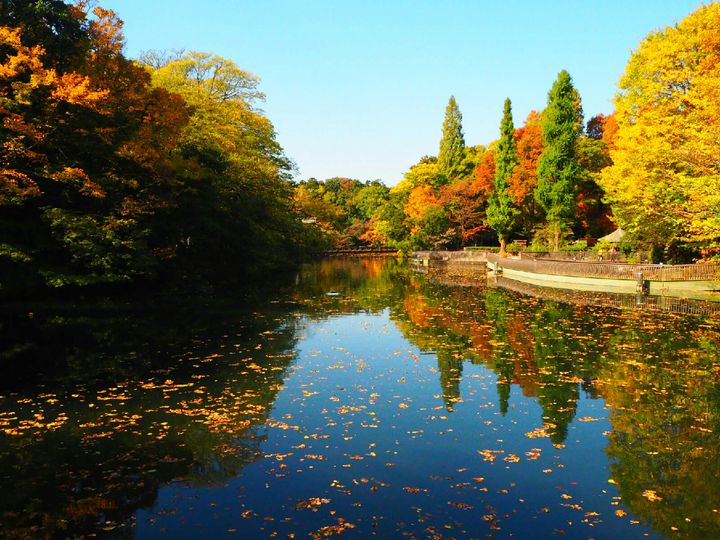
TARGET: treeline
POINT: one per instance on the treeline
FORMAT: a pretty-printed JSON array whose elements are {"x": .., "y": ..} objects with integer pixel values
[
  {"x": 114, "y": 170},
  {"x": 467, "y": 195},
  {"x": 650, "y": 168},
  {"x": 163, "y": 169}
]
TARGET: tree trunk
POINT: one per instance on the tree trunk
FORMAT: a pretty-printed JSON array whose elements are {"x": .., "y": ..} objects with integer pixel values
[
  {"x": 557, "y": 237},
  {"x": 503, "y": 243}
]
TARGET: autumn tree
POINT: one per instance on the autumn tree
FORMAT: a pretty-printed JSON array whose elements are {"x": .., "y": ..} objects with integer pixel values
[
  {"x": 523, "y": 180},
  {"x": 347, "y": 211},
  {"x": 558, "y": 167},
  {"x": 465, "y": 204},
  {"x": 501, "y": 212},
  {"x": 484, "y": 177},
  {"x": 664, "y": 182},
  {"x": 310, "y": 204},
  {"x": 427, "y": 218},
  {"x": 369, "y": 200},
  {"x": 593, "y": 214},
  {"x": 452, "y": 144},
  {"x": 66, "y": 125},
  {"x": 106, "y": 177},
  {"x": 59, "y": 28},
  {"x": 234, "y": 203},
  {"x": 595, "y": 127},
  {"x": 392, "y": 222}
]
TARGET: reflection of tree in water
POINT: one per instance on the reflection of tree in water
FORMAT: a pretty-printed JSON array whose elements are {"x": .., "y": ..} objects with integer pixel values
[
  {"x": 556, "y": 354},
  {"x": 162, "y": 421},
  {"x": 90, "y": 449},
  {"x": 361, "y": 284},
  {"x": 548, "y": 347},
  {"x": 659, "y": 373},
  {"x": 662, "y": 384},
  {"x": 426, "y": 322},
  {"x": 503, "y": 357},
  {"x": 450, "y": 377}
]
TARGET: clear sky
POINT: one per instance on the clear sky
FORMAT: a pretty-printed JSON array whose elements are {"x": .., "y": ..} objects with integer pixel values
[{"x": 358, "y": 88}]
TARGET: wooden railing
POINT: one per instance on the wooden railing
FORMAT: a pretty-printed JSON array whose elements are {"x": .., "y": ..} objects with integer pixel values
[
  {"x": 611, "y": 270},
  {"x": 585, "y": 256},
  {"x": 361, "y": 251},
  {"x": 455, "y": 256}
]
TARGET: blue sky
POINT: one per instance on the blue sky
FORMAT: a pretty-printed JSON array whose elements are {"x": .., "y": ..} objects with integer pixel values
[{"x": 359, "y": 88}]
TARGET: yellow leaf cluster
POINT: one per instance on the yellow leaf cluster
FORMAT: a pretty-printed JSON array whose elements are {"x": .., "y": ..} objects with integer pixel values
[{"x": 666, "y": 170}]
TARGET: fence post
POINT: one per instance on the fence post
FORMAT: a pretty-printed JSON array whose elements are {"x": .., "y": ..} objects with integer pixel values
[{"x": 642, "y": 286}]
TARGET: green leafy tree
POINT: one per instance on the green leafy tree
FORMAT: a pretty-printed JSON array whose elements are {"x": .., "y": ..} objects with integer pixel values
[
  {"x": 393, "y": 223},
  {"x": 368, "y": 201},
  {"x": 452, "y": 145},
  {"x": 234, "y": 204},
  {"x": 592, "y": 213},
  {"x": 558, "y": 167},
  {"x": 501, "y": 212}
]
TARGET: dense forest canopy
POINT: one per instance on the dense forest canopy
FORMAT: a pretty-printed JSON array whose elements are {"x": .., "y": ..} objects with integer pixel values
[
  {"x": 113, "y": 170},
  {"x": 164, "y": 169}
]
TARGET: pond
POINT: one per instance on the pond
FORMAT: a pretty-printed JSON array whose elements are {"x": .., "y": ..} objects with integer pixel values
[{"x": 361, "y": 400}]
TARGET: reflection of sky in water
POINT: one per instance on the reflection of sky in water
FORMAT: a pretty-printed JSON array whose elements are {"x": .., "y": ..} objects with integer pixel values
[{"x": 364, "y": 426}]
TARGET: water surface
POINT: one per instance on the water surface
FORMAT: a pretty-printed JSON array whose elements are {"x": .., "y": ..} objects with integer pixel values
[{"x": 364, "y": 400}]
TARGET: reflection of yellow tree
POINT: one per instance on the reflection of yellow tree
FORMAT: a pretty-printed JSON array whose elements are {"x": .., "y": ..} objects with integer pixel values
[
  {"x": 660, "y": 376},
  {"x": 662, "y": 384}
]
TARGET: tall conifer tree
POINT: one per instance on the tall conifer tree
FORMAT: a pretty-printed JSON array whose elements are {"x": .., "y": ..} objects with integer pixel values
[
  {"x": 501, "y": 212},
  {"x": 558, "y": 167},
  {"x": 452, "y": 145}
]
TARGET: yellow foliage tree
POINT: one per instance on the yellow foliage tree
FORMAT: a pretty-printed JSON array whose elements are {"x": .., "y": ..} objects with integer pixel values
[{"x": 664, "y": 182}]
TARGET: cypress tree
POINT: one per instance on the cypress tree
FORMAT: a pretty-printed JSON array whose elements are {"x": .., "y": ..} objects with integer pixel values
[
  {"x": 452, "y": 145},
  {"x": 558, "y": 166},
  {"x": 501, "y": 212}
]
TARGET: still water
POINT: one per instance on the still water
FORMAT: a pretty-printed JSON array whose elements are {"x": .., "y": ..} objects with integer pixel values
[{"x": 361, "y": 400}]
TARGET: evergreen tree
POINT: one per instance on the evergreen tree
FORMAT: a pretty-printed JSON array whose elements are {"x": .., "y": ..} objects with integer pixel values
[
  {"x": 558, "y": 167},
  {"x": 452, "y": 145},
  {"x": 501, "y": 212}
]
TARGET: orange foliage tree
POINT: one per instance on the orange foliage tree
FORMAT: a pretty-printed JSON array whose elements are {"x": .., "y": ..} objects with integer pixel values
[{"x": 523, "y": 181}]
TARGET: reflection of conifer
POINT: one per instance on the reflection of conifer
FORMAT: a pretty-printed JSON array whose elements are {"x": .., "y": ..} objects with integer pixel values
[
  {"x": 450, "y": 377},
  {"x": 588, "y": 386},
  {"x": 559, "y": 404},
  {"x": 503, "y": 388},
  {"x": 497, "y": 306},
  {"x": 555, "y": 353},
  {"x": 504, "y": 368}
]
